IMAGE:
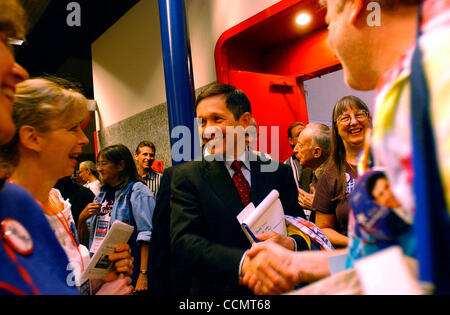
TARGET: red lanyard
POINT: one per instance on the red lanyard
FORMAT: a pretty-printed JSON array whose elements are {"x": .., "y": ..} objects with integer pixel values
[
  {"x": 353, "y": 169},
  {"x": 22, "y": 271},
  {"x": 66, "y": 227}
]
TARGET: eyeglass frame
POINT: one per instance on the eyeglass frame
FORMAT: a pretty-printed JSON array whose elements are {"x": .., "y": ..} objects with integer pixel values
[
  {"x": 103, "y": 163},
  {"x": 360, "y": 119}
]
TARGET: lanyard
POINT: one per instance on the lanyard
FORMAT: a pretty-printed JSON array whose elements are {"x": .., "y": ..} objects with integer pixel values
[
  {"x": 66, "y": 227},
  {"x": 352, "y": 169}
]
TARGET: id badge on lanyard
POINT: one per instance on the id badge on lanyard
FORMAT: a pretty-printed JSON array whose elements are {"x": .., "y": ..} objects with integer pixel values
[
  {"x": 102, "y": 225},
  {"x": 101, "y": 229}
]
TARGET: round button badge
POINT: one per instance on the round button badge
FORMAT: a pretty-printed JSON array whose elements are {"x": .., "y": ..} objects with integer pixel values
[{"x": 16, "y": 236}]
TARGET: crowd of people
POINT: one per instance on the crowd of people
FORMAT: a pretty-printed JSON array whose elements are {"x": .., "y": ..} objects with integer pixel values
[{"x": 359, "y": 183}]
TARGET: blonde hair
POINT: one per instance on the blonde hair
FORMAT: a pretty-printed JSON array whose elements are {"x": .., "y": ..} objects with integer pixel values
[
  {"x": 12, "y": 19},
  {"x": 44, "y": 104}
]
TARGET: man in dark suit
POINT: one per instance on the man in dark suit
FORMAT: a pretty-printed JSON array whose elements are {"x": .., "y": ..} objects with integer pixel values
[
  {"x": 79, "y": 196},
  {"x": 165, "y": 275},
  {"x": 208, "y": 195}
]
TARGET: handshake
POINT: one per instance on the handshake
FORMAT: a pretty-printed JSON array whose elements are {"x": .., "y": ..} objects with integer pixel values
[{"x": 271, "y": 266}]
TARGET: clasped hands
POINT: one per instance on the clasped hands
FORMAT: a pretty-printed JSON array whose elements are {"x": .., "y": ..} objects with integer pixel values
[{"x": 269, "y": 267}]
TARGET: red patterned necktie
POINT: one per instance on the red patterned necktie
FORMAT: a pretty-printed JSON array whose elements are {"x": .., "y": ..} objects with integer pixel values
[{"x": 241, "y": 182}]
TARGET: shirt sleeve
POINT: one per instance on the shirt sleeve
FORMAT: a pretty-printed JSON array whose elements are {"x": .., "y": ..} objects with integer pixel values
[{"x": 143, "y": 206}]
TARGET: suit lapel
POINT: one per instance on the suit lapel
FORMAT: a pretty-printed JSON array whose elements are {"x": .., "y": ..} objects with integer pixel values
[
  {"x": 217, "y": 176},
  {"x": 260, "y": 183}
]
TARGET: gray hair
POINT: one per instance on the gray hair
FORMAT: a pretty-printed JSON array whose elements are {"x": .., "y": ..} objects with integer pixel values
[
  {"x": 89, "y": 165},
  {"x": 321, "y": 137}
]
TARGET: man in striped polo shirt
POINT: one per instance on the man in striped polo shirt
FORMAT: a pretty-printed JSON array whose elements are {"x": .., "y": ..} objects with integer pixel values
[{"x": 145, "y": 156}]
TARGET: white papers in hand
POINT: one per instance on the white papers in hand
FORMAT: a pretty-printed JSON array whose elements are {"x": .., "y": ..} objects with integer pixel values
[
  {"x": 267, "y": 216},
  {"x": 99, "y": 265}
]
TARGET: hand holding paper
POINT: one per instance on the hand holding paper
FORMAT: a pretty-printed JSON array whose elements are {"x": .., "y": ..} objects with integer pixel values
[
  {"x": 271, "y": 236},
  {"x": 268, "y": 216},
  {"x": 100, "y": 264},
  {"x": 123, "y": 262}
]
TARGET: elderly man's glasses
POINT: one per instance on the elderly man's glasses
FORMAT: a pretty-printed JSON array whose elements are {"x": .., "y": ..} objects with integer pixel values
[{"x": 359, "y": 116}]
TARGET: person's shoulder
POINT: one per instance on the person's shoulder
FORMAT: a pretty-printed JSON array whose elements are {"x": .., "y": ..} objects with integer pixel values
[
  {"x": 138, "y": 189},
  {"x": 288, "y": 161},
  {"x": 85, "y": 191},
  {"x": 328, "y": 175},
  {"x": 56, "y": 193},
  {"x": 15, "y": 191},
  {"x": 188, "y": 167},
  {"x": 18, "y": 202},
  {"x": 328, "y": 168},
  {"x": 137, "y": 185},
  {"x": 154, "y": 172}
]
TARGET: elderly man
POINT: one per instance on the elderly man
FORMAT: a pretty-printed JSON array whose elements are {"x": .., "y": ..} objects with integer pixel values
[
  {"x": 387, "y": 58},
  {"x": 294, "y": 130},
  {"x": 312, "y": 151}
]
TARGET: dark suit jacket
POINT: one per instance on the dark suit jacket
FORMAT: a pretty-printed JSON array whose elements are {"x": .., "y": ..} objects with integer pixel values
[
  {"x": 165, "y": 277},
  {"x": 79, "y": 196},
  {"x": 205, "y": 233}
]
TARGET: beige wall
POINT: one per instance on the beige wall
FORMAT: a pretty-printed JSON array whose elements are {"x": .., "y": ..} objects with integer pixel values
[
  {"x": 127, "y": 65},
  {"x": 207, "y": 20},
  {"x": 128, "y": 70}
]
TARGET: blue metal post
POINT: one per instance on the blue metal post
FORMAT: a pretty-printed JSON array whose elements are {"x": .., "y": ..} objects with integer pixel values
[{"x": 179, "y": 80}]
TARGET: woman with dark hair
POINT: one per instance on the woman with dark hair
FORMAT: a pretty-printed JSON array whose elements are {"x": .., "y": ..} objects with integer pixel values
[
  {"x": 123, "y": 197},
  {"x": 351, "y": 122}
]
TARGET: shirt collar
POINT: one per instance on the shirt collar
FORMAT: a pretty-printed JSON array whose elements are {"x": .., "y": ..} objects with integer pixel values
[{"x": 244, "y": 157}]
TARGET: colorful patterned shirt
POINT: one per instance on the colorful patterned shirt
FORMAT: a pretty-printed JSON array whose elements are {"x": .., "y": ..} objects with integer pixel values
[{"x": 391, "y": 142}]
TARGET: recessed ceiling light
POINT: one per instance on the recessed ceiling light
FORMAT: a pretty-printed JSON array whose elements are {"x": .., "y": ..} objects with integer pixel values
[{"x": 303, "y": 19}]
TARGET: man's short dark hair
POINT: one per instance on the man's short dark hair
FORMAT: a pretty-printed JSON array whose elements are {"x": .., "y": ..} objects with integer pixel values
[
  {"x": 145, "y": 143},
  {"x": 292, "y": 126},
  {"x": 236, "y": 100}
]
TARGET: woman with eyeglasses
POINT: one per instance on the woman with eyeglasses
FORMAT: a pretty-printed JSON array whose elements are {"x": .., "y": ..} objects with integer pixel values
[
  {"x": 123, "y": 196},
  {"x": 350, "y": 125},
  {"x": 46, "y": 143}
]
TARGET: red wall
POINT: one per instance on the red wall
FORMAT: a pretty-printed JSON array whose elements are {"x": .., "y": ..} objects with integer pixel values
[
  {"x": 270, "y": 48},
  {"x": 279, "y": 102}
]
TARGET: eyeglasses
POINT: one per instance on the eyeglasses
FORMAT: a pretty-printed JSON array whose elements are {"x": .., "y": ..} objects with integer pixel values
[
  {"x": 359, "y": 116},
  {"x": 102, "y": 163}
]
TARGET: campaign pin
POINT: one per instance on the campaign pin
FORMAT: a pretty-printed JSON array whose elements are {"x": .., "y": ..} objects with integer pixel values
[{"x": 16, "y": 236}]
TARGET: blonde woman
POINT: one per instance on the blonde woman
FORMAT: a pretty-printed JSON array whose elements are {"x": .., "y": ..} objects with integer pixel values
[{"x": 47, "y": 142}]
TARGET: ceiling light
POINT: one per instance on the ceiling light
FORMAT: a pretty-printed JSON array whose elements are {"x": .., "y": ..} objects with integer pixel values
[{"x": 303, "y": 19}]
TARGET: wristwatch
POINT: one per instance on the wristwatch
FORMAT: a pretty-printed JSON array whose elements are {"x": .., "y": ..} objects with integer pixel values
[{"x": 143, "y": 272}]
